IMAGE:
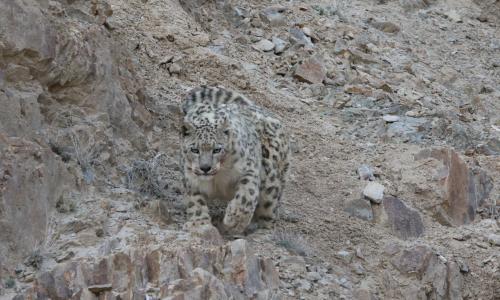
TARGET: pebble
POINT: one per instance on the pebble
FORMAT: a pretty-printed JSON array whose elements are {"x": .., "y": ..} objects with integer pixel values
[
  {"x": 390, "y": 118},
  {"x": 326, "y": 280},
  {"x": 344, "y": 255},
  {"x": 307, "y": 31},
  {"x": 297, "y": 36},
  {"x": 279, "y": 45},
  {"x": 303, "y": 285},
  {"x": 358, "y": 269},
  {"x": 453, "y": 16},
  {"x": 365, "y": 172},
  {"x": 273, "y": 16},
  {"x": 374, "y": 191},
  {"x": 313, "y": 276},
  {"x": 263, "y": 45},
  {"x": 344, "y": 282},
  {"x": 175, "y": 68},
  {"x": 494, "y": 239},
  {"x": 386, "y": 27}
]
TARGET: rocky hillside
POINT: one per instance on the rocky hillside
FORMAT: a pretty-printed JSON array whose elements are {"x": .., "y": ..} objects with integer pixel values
[{"x": 394, "y": 112}]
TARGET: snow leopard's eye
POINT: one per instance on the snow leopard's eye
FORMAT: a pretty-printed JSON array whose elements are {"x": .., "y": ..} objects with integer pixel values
[
  {"x": 194, "y": 150},
  {"x": 217, "y": 150}
]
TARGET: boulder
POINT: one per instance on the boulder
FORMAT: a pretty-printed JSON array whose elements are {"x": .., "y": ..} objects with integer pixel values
[
  {"x": 464, "y": 189},
  {"x": 405, "y": 222},
  {"x": 311, "y": 71}
]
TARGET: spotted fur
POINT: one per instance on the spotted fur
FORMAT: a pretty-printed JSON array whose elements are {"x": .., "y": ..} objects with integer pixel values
[{"x": 233, "y": 152}]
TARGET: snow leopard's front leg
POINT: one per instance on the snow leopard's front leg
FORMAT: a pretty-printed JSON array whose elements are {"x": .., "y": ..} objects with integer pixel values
[{"x": 240, "y": 209}]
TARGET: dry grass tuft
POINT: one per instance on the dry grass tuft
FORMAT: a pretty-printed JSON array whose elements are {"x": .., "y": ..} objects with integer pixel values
[
  {"x": 147, "y": 176},
  {"x": 292, "y": 242}
]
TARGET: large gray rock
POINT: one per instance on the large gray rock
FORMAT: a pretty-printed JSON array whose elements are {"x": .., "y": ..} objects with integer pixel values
[
  {"x": 405, "y": 222},
  {"x": 440, "y": 278}
]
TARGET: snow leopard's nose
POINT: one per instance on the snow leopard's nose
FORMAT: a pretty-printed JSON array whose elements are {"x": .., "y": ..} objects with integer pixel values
[{"x": 205, "y": 168}]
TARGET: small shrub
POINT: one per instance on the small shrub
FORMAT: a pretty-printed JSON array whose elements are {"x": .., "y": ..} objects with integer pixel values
[
  {"x": 147, "y": 176},
  {"x": 10, "y": 283},
  {"x": 292, "y": 242},
  {"x": 35, "y": 260}
]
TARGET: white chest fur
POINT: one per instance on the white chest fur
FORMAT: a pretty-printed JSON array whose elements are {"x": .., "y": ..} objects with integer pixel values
[{"x": 221, "y": 187}]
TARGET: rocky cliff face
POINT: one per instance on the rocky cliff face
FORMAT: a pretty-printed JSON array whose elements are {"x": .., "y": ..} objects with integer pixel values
[
  {"x": 68, "y": 94},
  {"x": 393, "y": 111}
]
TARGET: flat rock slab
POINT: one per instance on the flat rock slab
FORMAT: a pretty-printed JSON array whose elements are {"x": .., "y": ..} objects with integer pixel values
[
  {"x": 311, "y": 71},
  {"x": 360, "y": 208},
  {"x": 264, "y": 45},
  {"x": 390, "y": 118},
  {"x": 405, "y": 222},
  {"x": 99, "y": 288}
]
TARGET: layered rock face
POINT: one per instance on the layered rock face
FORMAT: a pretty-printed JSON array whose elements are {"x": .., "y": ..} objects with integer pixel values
[
  {"x": 68, "y": 93},
  {"x": 192, "y": 269}
]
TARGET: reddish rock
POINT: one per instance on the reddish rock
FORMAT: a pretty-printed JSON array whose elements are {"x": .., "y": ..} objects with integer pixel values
[
  {"x": 311, "y": 71},
  {"x": 464, "y": 190}
]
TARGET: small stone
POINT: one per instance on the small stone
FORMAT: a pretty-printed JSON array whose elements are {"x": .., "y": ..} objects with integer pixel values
[
  {"x": 175, "y": 68},
  {"x": 482, "y": 18},
  {"x": 297, "y": 36},
  {"x": 303, "y": 285},
  {"x": 345, "y": 283},
  {"x": 311, "y": 71},
  {"x": 357, "y": 90},
  {"x": 365, "y": 172},
  {"x": 167, "y": 59},
  {"x": 481, "y": 245},
  {"x": 257, "y": 32},
  {"x": 358, "y": 269},
  {"x": 359, "y": 254},
  {"x": 263, "y": 45},
  {"x": 494, "y": 239},
  {"x": 307, "y": 31},
  {"x": 374, "y": 191},
  {"x": 340, "y": 46},
  {"x": 386, "y": 27},
  {"x": 464, "y": 268},
  {"x": 279, "y": 45},
  {"x": 462, "y": 237},
  {"x": 390, "y": 118},
  {"x": 313, "y": 276},
  {"x": 453, "y": 16},
  {"x": 99, "y": 288},
  {"x": 273, "y": 16},
  {"x": 344, "y": 255}
]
